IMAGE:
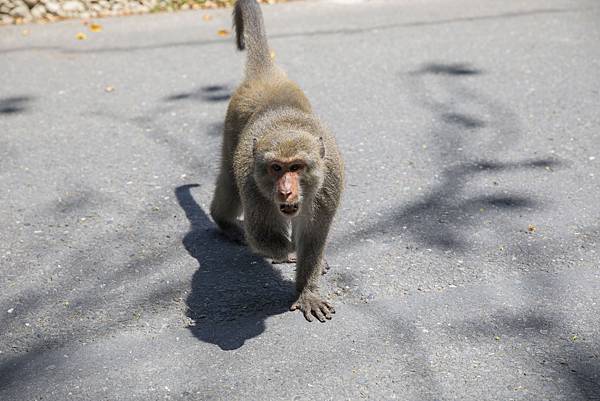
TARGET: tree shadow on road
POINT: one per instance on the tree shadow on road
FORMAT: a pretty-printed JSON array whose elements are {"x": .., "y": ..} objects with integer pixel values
[
  {"x": 210, "y": 93},
  {"x": 574, "y": 365},
  {"x": 233, "y": 291},
  {"x": 14, "y": 104},
  {"x": 448, "y": 69},
  {"x": 470, "y": 139}
]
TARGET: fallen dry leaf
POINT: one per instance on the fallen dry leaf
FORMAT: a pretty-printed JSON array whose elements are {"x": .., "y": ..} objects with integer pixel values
[
  {"x": 207, "y": 17},
  {"x": 94, "y": 27},
  {"x": 81, "y": 36},
  {"x": 531, "y": 228},
  {"x": 223, "y": 32},
  {"x": 109, "y": 88}
]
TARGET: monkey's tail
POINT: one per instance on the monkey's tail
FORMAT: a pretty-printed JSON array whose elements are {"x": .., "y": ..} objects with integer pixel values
[{"x": 250, "y": 32}]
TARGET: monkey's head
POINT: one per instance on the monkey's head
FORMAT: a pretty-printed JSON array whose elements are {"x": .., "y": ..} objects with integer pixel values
[{"x": 289, "y": 169}]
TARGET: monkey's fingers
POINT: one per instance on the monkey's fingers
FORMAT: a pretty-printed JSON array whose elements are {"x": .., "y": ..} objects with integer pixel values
[
  {"x": 317, "y": 312},
  {"x": 307, "y": 312},
  {"x": 329, "y": 306},
  {"x": 304, "y": 308},
  {"x": 327, "y": 309}
]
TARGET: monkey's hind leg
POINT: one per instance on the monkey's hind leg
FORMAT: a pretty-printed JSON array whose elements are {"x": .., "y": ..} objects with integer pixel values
[
  {"x": 226, "y": 207},
  {"x": 291, "y": 258},
  {"x": 325, "y": 267}
]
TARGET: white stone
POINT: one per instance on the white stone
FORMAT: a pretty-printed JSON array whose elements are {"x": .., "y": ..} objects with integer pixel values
[
  {"x": 72, "y": 6},
  {"x": 53, "y": 7},
  {"x": 38, "y": 11},
  {"x": 21, "y": 11}
]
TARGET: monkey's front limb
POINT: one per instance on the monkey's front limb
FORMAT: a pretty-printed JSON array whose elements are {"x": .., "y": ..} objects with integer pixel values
[
  {"x": 310, "y": 245},
  {"x": 233, "y": 231},
  {"x": 292, "y": 257},
  {"x": 266, "y": 231}
]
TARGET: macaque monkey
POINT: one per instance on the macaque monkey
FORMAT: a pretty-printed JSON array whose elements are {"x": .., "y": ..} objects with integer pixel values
[{"x": 280, "y": 168}]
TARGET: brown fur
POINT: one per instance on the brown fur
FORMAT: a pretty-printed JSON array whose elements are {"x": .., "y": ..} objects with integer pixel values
[{"x": 269, "y": 118}]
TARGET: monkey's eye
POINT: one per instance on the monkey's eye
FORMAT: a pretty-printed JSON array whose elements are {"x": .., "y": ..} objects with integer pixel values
[
  {"x": 275, "y": 167},
  {"x": 295, "y": 167}
]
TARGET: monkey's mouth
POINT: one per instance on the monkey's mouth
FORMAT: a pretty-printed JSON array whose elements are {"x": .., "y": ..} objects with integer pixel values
[{"x": 289, "y": 209}]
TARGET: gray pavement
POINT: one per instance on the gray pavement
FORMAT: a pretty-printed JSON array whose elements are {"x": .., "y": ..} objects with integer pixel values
[{"x": 464, "y": 260}]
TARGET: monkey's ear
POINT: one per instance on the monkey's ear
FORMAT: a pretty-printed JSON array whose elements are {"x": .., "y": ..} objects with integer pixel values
[
  {"x": 254, "y": 141},
  {"x": 322, "y": 152}
]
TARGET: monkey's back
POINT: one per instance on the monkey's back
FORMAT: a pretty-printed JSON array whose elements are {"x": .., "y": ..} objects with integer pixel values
[{"x": 265, "y": 108}]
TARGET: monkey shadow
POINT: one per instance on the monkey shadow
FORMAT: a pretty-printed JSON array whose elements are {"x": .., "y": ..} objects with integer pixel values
[{"x": 233, "y": 291}]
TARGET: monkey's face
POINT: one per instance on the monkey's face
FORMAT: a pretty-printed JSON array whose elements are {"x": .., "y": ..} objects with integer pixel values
[
  {"x": 287, "y": 189},
  {"x": 289, "y": 178}
]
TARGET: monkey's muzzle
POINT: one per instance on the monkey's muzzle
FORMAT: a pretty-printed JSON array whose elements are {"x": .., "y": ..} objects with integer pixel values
[{"x": 289, "y": 209}]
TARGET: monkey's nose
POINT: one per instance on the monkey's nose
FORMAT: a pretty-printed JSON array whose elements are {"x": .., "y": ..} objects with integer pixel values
[{"x": 285, "y": 195}]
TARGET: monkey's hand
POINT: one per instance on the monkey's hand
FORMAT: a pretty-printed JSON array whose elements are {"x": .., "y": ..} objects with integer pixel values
[{"x": 311, "y": 303}]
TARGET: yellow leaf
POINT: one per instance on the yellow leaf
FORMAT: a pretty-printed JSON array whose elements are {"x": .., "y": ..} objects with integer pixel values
[
  {"x": 94, "y": 27},
  {"x": 81, "y": 36},
  {"x": 272, "y": 54},
  {"x": 223, "y": 32},
  {"x": 207, "y": 17}
]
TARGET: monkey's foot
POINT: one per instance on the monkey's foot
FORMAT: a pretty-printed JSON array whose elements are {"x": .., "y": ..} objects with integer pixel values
[
  {"x": 325, "y": 268},
  {"x": 311, "y": 303},
  {"x": 291, "y": 258}
]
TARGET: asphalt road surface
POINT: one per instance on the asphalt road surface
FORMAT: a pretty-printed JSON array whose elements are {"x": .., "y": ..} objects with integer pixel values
[{"x": 465, "y": 257}]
